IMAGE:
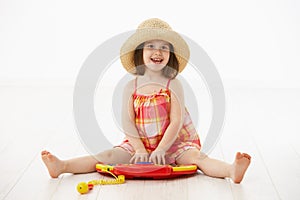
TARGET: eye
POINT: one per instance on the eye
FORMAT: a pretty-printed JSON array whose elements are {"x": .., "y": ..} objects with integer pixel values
[
  {"x": 149, "y": 46},
  {"x": 165, "y": 48}
]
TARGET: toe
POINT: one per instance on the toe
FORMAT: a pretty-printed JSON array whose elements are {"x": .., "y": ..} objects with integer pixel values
[
  {"x": 238, "y": 155},
  {"x": 247, "y": 156},
  {"x": 45, "y": 152}
]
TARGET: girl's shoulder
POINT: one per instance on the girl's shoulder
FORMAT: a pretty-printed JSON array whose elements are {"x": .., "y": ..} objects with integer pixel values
[
  {"x": 175, "y": 85},
  {"x": 130, "y": 85}
]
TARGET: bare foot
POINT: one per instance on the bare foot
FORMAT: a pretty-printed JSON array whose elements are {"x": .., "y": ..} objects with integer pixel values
[
  {"x": 239, "y": 167},
  {"x": 54, "y": 165}
]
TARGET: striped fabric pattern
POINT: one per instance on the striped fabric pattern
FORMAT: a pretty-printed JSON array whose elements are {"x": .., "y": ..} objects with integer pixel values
[{"x": 152, "y": 119}]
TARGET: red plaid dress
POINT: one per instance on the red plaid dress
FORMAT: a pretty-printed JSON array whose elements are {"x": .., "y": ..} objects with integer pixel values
[{"x": 152, "y": 118}]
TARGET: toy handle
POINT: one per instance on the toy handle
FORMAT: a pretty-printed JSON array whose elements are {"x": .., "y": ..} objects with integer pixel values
[{"x": 84, "y": 187}]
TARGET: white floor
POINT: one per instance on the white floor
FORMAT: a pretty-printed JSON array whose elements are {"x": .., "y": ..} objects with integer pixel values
[{"x": 262, "y": 122}]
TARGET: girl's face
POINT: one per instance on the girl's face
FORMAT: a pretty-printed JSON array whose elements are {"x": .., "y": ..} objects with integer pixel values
[{"x": 156, "y": 54}]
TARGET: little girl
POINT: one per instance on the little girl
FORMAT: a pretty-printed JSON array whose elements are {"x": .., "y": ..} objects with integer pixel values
[{"x": 157, "y": 126}]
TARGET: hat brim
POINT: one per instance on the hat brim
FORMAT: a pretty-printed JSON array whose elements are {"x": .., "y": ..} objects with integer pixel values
[{"x": 181, "y": 49}]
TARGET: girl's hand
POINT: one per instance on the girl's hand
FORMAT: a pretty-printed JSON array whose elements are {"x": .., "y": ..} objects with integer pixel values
[
  {"x": 158, "y": 157},
  {"x": 140, "y": 156}
]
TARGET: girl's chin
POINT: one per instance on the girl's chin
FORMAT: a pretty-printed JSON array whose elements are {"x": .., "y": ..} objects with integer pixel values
[{"x": 155, "y": 67}]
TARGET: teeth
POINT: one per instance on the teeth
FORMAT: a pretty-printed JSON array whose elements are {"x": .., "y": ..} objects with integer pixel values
[{"x": 156, "y": 59}]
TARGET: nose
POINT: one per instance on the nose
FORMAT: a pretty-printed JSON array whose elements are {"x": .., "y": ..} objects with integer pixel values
[{"x": 157, "y": 51}]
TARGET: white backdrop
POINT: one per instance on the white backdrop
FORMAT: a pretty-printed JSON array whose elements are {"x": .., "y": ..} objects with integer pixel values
[{"x": 252, "y": 43}]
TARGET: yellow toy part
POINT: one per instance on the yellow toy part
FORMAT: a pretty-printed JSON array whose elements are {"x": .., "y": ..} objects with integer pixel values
[
  {"x": 183, "y": 168},
  {"x": 84, "y": 187}
]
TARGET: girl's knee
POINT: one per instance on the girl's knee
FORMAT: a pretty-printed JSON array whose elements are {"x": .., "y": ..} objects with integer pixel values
[
  {"x": 191, "y": 156},
  {"x": 105, "y": 156},
  {"x": 113, "y": 156}
]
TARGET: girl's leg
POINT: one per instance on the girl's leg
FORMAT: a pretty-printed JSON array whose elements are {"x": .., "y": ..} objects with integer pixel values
[
  {"x": 83, "y": 164},
  {"x": 217, "y": 168}
]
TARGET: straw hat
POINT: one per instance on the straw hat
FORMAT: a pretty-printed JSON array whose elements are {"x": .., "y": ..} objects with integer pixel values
[{"x": 154, "y": 29}]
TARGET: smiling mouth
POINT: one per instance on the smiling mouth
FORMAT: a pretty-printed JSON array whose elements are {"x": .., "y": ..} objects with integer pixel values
[{"x": 157, "y": 60}]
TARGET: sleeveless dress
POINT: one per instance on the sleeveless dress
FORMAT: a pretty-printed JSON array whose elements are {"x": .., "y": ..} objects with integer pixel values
[{"x": 152, "y": 118}]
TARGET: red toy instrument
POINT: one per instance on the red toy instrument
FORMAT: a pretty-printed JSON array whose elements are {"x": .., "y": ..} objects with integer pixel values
[
  {"x": 139, "y": 170},
  {"x": 147, "y": 170}
]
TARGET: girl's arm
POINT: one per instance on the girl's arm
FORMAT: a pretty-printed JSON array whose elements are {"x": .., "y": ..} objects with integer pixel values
[
  {"x": 176, "y": 116},
  {"x": 128, "y": 119}
]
